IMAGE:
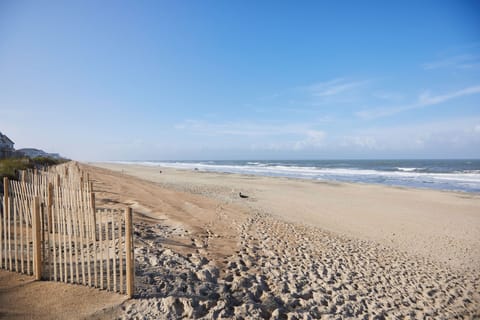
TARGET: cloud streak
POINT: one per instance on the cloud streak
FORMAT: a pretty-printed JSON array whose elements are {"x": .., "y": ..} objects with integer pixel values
[
  {"x": 425, "y": 99},
  {"x": 281, "y": 136},
  {"x": 243, "y": 128},
  {"x": 333, "y": 87},
  {"x": 314, "y": 139},
  {"x": 464, "y": 61},
  {"x": 434, "y": 136}
]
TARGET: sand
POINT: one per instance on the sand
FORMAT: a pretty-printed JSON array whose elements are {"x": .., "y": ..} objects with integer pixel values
[
  {"x": 21, "y": 297},
  {"x": 293, "y": 249},
  {"x": 442, "y": 225}
]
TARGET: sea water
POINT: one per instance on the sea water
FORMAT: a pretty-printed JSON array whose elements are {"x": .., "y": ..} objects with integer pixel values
[{"x": 454, "y": 175}]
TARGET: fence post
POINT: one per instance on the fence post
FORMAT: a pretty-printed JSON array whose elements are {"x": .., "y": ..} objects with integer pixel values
[
  {"x": 5, "y": 215},
  {"x": 129, "y": 252},
  {"x": 37, "y": 253},
  {"x": 2, "y": 218},
  {"x": 9, "y": 226}
]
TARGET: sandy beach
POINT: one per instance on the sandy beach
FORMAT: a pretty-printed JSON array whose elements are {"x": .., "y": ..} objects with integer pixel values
[
  {"x": 294, "y": 249},
  {"x": 239, "y": 160}
]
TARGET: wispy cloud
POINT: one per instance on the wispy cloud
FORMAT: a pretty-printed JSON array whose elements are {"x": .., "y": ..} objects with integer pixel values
[
  {"x": 333, "y": 87},
  {"x": 464, "y": 61},
  {"x": 314, "y": 138},
  {"x": 387, "y": 96},
  {"x": 440, "y": 136},
  {"x": 308, "y": 98},
  {"x": 361, "y": 141},
  {"x": 277, "y": 136},
  {"x": 425, "y": 99},
  {"x": 243, "y": 128}
]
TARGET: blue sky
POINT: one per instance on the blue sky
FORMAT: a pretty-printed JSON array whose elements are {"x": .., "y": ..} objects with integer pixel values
[{"x": 112, "y": 80}]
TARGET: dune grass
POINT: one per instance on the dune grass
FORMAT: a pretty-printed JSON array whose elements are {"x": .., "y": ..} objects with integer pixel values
[{"x": 11, "y": 166}]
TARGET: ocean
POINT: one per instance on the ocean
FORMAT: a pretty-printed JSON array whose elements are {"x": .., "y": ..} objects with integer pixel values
[{"x": 452, "y": 175}]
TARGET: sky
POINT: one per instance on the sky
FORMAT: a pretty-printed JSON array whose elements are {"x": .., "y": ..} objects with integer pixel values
[{"x": 185, "y": 80}]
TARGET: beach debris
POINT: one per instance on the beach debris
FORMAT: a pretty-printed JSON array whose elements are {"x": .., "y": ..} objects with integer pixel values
[{"x": 242, "y": 195}]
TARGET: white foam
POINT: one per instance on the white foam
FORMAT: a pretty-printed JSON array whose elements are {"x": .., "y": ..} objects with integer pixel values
[
  {"x": 408, "y": 169},
  {"x": 405, "y": 177}
]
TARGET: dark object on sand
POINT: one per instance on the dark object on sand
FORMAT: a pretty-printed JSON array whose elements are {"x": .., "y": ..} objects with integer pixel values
[
  {"x": 242, "y": 195},
  {"x": 196, "y": 169},
  {"x": 160, "y": 171}
]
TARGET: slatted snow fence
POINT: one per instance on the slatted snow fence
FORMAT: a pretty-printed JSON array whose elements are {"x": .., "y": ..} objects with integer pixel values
[{"x": 51, "y": 229}]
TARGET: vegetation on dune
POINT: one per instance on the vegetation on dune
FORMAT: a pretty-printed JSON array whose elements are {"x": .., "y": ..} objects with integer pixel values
[
  {"x": 10, "y": 167},
  {"x": 47, "y": 162}
]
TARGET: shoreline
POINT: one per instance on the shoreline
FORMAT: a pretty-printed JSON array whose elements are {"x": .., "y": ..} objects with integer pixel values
[
  {"x": 305, "y": 178},
  {"x": 446, "y": 222},
  {"x": 325, "y": 181},
  {"x": 294, "y": 248}
]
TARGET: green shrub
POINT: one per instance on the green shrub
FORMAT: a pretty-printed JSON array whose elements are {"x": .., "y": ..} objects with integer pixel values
[
  {"x": 11, "y": 166},
  {"x": 47, "y": 162}
]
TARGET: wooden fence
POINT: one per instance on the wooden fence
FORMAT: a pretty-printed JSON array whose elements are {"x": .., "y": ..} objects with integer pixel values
[{"x": 50, "y": 228}]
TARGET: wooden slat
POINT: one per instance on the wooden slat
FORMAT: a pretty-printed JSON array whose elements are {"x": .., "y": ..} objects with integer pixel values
[
  {"x": 94, "y": 236},
  {"x": 88, "y": 235},
  {"x": 75, "y": 277},
  {"x": 74, "y": 229},
  {"x": 81, "y": 228},
  {"x": 54, "y": 242},
  {"x": 114, "y": 262},
  {"x": 13, "y": 200},
  {"x": 50, "y": 241},
  {"x": 27, "y": 235},
  {"x": 2, "y": 221},
  {"x": 62, "y": 235},
  {"x": 7, "y": 209},
  {"x": 43, "y": 243},
  {"x": 22, "y": 230},
  {"x": 15, "y": 245},
  {"x": 36, "y": 242},
  {"x": 64, "y": 226},
  {"x": 5, "y": 235},
  {"x": 100, "y": 235},
  {"x": 120, "y": 251},
  {"x": 129, "y": 252},
  {"x": 107, "y": 250}
]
